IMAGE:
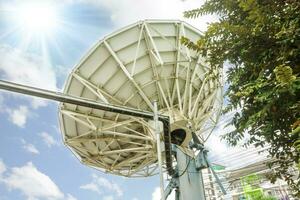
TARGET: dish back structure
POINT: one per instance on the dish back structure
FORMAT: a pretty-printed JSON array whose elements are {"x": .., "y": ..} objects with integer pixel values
[{"x": 133, "y": 67}]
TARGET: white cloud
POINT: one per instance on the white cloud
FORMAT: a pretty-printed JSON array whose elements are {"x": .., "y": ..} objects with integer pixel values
[
  {"x": 19, "y": 66},
  {"x": 234, "y": 157},
  {"x": 1, "y": 103},
  {"x": 103, "y": 182},
  {"x": 110, "y": 197},
  {"x": 48, "y": 139},
  {"x": 92, "y": 187},
  {"x": 129, "y": 11},
  {"x": 126, "y": 12},
  {"x": 2, "y": 168},
  {"x": 29, "y": 147},
  {"x": 32, "y": 183},
  {"x": 102, "y": 185},
  {"x": 70, "y": 197},
  {"x": 38, "y": 102},
  {"x": 156, "y": 194},
  {"x": 221, "y": 153},
  {"x": 215, "y": 145},
  {"x": 19, "y": 116}
]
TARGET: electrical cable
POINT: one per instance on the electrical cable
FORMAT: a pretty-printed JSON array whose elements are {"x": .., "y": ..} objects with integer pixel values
[
  {"x": 240, "y": 154},
  {"x": 186, "y": 167}
]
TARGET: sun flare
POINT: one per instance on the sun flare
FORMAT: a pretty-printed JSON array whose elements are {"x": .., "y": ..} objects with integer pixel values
[{"x": 36, "y": 17}]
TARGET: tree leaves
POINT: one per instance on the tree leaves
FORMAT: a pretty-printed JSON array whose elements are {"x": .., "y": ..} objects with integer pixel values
[
  {"x": 284, "y": 75},
  {"x": 261, "y": 41}
]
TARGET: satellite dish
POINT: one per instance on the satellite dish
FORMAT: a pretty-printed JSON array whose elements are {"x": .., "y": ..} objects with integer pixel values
[{"x": 135, "y": 66}]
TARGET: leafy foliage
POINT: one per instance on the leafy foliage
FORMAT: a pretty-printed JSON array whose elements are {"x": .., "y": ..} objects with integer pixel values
[
  {"x": 251, "y": 187},
  {"x": 267, "y": 198},
  {"x": 261, "y": 41}
]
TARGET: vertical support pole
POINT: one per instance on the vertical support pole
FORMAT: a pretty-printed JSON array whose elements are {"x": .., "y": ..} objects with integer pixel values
[
  {"x": 191, "y": 185},
  {"x": 177, "y": 194},
  {"x": 157, "y": 132}
]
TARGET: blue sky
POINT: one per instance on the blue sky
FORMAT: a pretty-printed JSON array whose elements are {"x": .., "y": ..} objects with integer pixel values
[{"x": 34, "y": 164}]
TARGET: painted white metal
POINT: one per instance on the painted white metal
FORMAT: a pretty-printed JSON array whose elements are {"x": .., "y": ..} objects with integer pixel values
[
  {"x": 133, "y": 67},
  {"x": 190, "y": 179},
  {"x": 158, "y": 141}
]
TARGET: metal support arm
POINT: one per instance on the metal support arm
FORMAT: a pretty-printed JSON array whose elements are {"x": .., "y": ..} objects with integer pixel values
[
  {"x": 172, "y": 184},
  {"x": 202, "y": 162}
]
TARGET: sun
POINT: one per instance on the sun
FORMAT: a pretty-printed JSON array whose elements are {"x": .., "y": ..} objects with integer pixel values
[{"x": 37, "y": 18}]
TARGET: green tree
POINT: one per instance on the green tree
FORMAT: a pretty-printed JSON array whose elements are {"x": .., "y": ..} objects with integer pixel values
[{"x": 261, "y": 41}]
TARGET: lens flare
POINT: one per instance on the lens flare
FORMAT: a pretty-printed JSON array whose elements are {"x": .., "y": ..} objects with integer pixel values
[{"x": 36, "y": 17}]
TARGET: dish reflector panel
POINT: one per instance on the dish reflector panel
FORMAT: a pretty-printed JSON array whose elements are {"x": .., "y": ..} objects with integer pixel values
[{"x": 133, "y": 67}]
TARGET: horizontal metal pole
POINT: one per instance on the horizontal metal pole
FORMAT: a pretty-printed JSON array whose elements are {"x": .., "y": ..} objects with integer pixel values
[{"x": 61, "y": 97}]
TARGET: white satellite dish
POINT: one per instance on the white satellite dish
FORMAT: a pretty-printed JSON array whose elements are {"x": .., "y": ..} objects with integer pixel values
[{"x": 134, "y": 67}]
